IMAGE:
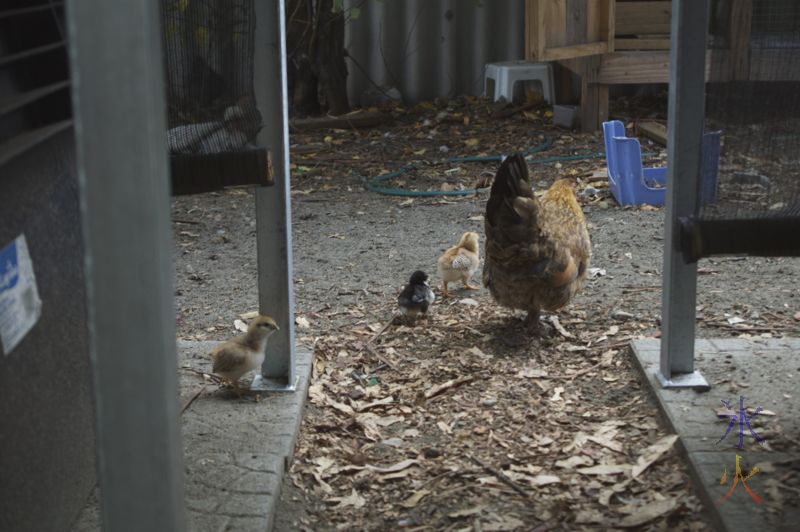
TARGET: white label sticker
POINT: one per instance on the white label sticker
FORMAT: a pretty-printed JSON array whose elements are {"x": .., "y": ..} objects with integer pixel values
[{"x": 20, "y": 306}]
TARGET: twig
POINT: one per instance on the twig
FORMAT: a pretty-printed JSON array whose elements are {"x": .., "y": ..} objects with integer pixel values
[
  {"x": 377, "y": 355},
  {"x": 386, "y": 326},
  {"x": 500, "y": 476},
  {"x": 211, "y": 376},
  {"x": 189, "y": 222},
  {"x": 634, "y": 289},
  {"x": 433, "y": 391},
  {"x": 192, "y": 399}
]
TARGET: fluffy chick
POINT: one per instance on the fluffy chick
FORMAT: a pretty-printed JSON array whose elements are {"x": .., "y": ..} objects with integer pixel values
[
  {"x": 417, "y": 295},
  {"x": 243, "y": 353},
  {"x": 460, "y": 262}
]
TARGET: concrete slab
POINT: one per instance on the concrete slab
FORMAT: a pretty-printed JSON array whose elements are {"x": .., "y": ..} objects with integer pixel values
[
  {"x": 235, "y": 451},
  {"x": 766, "y": 372}
]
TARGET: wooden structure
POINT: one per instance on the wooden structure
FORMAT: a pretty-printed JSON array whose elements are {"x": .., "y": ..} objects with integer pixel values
[{"x": 609, "y": 42}]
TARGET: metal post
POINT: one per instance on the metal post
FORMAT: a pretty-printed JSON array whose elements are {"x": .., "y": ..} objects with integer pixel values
[
  {"x": 273, "y": 204},
  {"x": 684, "y": 143},
  {"x": 120, "y": 123}
]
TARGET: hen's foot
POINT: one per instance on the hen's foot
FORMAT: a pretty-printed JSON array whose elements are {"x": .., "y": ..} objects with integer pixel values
[
  {"x": 536, "y": 327},
  {"x": 471, "y": 287}
]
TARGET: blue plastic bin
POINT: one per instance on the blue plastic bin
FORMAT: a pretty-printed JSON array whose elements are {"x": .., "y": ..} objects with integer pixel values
[{"x": 631, "y": 184}]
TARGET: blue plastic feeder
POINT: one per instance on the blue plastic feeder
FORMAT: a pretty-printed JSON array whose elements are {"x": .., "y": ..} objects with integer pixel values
[{"x": 631, "y": 184}]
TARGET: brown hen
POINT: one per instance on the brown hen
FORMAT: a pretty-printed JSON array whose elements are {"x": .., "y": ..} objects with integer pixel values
[{"x": 537, "y": 250}]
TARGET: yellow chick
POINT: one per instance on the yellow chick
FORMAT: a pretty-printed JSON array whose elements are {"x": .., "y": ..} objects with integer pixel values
[
  {"x": 460, "y": 262},
  {"x": 243, "y": 353}
]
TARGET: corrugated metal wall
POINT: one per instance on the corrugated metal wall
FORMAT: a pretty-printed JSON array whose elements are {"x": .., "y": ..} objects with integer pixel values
[{"x": 430, "y": 48}]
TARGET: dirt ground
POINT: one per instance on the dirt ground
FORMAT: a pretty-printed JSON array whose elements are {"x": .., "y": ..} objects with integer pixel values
[{"x": 462, "y": 422}]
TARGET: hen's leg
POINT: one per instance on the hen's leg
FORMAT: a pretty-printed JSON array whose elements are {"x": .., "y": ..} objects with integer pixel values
[{"x": 534, "y": 325}]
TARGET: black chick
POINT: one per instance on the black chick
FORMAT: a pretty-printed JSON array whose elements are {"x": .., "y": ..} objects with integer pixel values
[{"x": 417, "y": 295}]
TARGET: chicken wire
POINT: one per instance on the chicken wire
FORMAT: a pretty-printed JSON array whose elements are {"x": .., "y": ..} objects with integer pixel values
[
  {"x": 759, "y": 171},
  {"x": 208, "y": 55}
]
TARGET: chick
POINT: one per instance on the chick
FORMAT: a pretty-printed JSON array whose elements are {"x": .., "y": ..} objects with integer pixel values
[
  {"x": 243, "y": 353},
  {"x": 417, "y": 295},
  {"x": 460, "y": 262}
]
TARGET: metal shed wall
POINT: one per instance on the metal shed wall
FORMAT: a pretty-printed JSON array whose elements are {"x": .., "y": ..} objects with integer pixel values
[
  {"x": 47, "y": 438},
  {"x": 430, "y": 48}
]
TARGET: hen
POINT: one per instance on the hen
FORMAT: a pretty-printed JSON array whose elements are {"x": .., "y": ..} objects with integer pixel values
[
  {"x": 459, "y": 262},
  {"x": 537, "y": 250}
]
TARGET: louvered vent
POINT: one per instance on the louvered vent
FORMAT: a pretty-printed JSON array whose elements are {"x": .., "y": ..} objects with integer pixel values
[{"x": 34, "y": 74}]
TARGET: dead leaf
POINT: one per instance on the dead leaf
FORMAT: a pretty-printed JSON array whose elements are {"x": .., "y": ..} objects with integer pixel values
[
  {"x": 354, "y": 499},
  {"x": 605, "y": 442},
  {"x": 302, "y": 322},
  {"x": 653, "y": 453},
  {"x": 466, "y": 512},
  {"x": 648, "y": 512},
  {"x": 560, "y": 328},
  {"x": 414, "y": 499},
  {"x": 249, "y": 315},
  {"x": 239, "y": 325},
  {"x": 399, "y": 466},
  {"x": 557, "y": 394},
  {"x": 606, "y": 469},
  {"x": 544, "y": 480}
]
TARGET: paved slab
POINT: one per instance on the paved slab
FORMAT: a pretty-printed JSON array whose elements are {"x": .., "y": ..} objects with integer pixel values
[
  {"x": 766, "y": 372},
  {"x": 236, "y": 451}
]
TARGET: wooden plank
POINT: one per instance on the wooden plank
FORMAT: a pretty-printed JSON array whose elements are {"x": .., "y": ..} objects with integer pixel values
[
  {"x": 576, "y": 22},
  {"x": 600, "y": 22},
  {"x": 622, "y": 44},
  {"x": 556, "y": 24},
  {"x": 193, "y": 174},
  {"x": 541, "y": 28},
  {"x": 653, "y": 67},
  {"x": 590, "y": 94},
  {"x": 634, "y": 67},
  {"x": 636, "y": 18},
  {"x": 653, "y": 130},
  {"x": 579, "y": 50},
  {"x": 741, "y": 17},
  {"x": 602, "y": 104},
  {"x": 531, "y": 38}
]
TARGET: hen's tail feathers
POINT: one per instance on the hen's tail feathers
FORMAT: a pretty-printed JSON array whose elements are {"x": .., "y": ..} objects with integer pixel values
[{"x": 511, "y": 181}]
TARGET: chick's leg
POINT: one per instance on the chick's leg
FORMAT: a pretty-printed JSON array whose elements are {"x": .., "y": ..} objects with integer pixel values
[
  {"x": 445, "y": 293},
  {"x": 465, "y": 280},
  {"x": 236, "y": 388}
]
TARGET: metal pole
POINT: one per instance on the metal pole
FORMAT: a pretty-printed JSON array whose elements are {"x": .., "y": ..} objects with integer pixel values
[
  {"x": 273, "y": 204},
  {"x": 684, "y": 143},
  {"x": 120, "y": 123}
]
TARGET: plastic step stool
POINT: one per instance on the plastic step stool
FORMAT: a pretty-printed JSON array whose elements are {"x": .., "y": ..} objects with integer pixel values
[
  {"x": 632, "y": 184},
  {"x": 506, "y": 74}
]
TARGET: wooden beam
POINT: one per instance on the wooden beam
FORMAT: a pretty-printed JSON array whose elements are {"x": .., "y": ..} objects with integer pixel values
[
  {"x": 636, "y": 18},
  {"x": 193, "y": 174},
  {"x": 591, "y": 105},
  {"x": 578, "y": 50},
  {"x": 741, "y": 17},
  {"x": 647, "y": 43},
  {"x": 653, "y": 130}
]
